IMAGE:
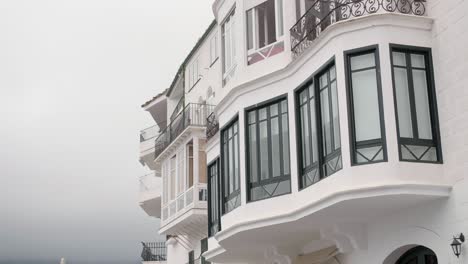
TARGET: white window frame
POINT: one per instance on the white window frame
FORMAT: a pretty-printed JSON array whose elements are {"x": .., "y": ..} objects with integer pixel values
[
  {"x": 194, "y": 73},
  {"x": 229, "y": 26},
  {"x": 214, "y": 48},
  {"x": 279, "y": 27}
]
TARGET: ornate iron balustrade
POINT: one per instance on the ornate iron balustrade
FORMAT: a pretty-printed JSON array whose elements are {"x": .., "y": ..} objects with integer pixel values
[
  {"x": 324, "y": 13},
  {"x": 154, "y": 251},
  {"x": 212, "y": 126},
  {"x": 191, "y": 115}
]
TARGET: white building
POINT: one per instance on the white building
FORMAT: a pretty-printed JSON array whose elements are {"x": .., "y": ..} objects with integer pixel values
[{"x": 330, "y": 131}]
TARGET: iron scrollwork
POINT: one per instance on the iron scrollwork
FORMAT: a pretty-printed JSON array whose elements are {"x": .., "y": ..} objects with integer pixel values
[{"x": 324, "y": 13}]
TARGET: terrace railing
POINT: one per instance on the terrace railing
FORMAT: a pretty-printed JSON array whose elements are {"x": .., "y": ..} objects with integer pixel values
[
  {"x": 324, "y": 13},
  {"x": 191, "y": 115},
  {"x": 195, "y": 196},
  {"x": 154, "y": 251}
]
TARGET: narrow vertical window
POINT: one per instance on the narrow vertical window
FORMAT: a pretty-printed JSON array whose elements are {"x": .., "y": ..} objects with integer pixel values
[
  {"x": 416, "y": 107},
  {"x": 230, "y": 166},
  {"x": 318, "y": 129},
  {"x": 229, "y": 48},
  {"x": 268, "y": 150},
  {"x": 366, "y": 119},
  {"x": 214, "y": 48},
  {"x": 191, "y": 257},
  {"x": 214, "y": 224}
]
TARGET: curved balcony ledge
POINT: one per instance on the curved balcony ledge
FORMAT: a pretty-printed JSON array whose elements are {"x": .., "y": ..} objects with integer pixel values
[
  {"x": 336, "y": 219},
  {"x": 342, "y": 31}
]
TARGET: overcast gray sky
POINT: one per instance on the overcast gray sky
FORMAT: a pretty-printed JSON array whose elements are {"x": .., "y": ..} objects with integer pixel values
[{"x": 73, "y": 74}]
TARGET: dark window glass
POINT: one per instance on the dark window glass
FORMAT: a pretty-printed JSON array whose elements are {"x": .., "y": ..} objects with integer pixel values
[
  {"x": 214, "y": 224},
  {"x": 204, "y": 248},
  {"x": 268, "y": 150},
  {"x": 319, "y": 141},
  {"x": 230, "y": 167},
  {"x": 367, "y": 131},
  {"x": 416, "y": 107}
]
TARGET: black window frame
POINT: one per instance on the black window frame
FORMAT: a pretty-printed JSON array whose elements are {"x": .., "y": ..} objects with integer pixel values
[
  {"x": 353, "y": 144},
  {"x": 236, "y": 193},
  {"x": 432, "y": 97},
  {"x": 321, "y": 159},
  {"x": 271, "y": 179},
  {"x": 191, "y": 257},
  {"x": 215, "y": 162}
]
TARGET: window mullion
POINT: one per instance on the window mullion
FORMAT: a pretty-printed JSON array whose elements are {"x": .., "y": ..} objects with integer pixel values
[{"x": 414, "y": 118}]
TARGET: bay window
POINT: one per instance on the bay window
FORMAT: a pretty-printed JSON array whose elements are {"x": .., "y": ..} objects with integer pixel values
[
  {"x": 319, "y": 143},
  {"x": 230, "y": 167},
  {"x": 416, "y": 107},
  {"x": 268, "y": 150},
  {"x": 264, "y": 27},
  {"x": 366, "y": 120},
  {"x": 229, "y": 46}
]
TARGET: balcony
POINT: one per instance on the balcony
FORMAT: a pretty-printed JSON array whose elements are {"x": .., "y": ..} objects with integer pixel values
[
  {"x": 325, "y": 13},
  {"x": 150, "y": 194},
  {"x": 191, "y": 115},
  {"x": 147, "y": 137},
  {"x": 154, "y": 252},
  {"x": 187, "y": 212}
]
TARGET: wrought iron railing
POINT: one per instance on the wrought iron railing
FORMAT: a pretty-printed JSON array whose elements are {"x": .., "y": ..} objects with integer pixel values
[
  {"x": 212, "y": 125},
  {"x": 191, "y": 115},
  {"x": 324, "y": 13},
  {"x": 154, "y": 251}
]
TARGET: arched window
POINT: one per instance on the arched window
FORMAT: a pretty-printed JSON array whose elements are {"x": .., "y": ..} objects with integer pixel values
[{"x": 418, "y": 255}]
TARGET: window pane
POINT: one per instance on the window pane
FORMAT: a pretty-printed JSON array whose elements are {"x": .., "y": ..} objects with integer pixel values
[
  {"x": 422, "y": 104},
  {"x": 366, "y": 105},
  {"x": 417, "y": 60},
  {"x": 264, "y": 172},
  {"x": 274, "y": 110},
  {"x": 362, "y": 61},
  {"x": 275, "y": 147},
  {"x": 399, "y": 59},
  {"x": 279, "y": 4},
  {"x": 313, "y": 119},
  {"x": 236, "y": 161},
  {"x": 336, "y": 118},
  {"x": 305, "y": 136},
  {"x": 253, "y": 162},
  {"x": 326, "y": 122},
  {"x": 231, "y": 165},
  {"x": 250, "y": 29},
  {"x": 403, "y": 103},
  {"x": 285, "y": 134}
]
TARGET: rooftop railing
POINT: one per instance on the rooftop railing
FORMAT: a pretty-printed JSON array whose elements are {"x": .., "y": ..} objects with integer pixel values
[
  {"x": 154, "y": 251},
  {"x": 324, "y": 13},
  {"x": 191, "y": 115}
]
